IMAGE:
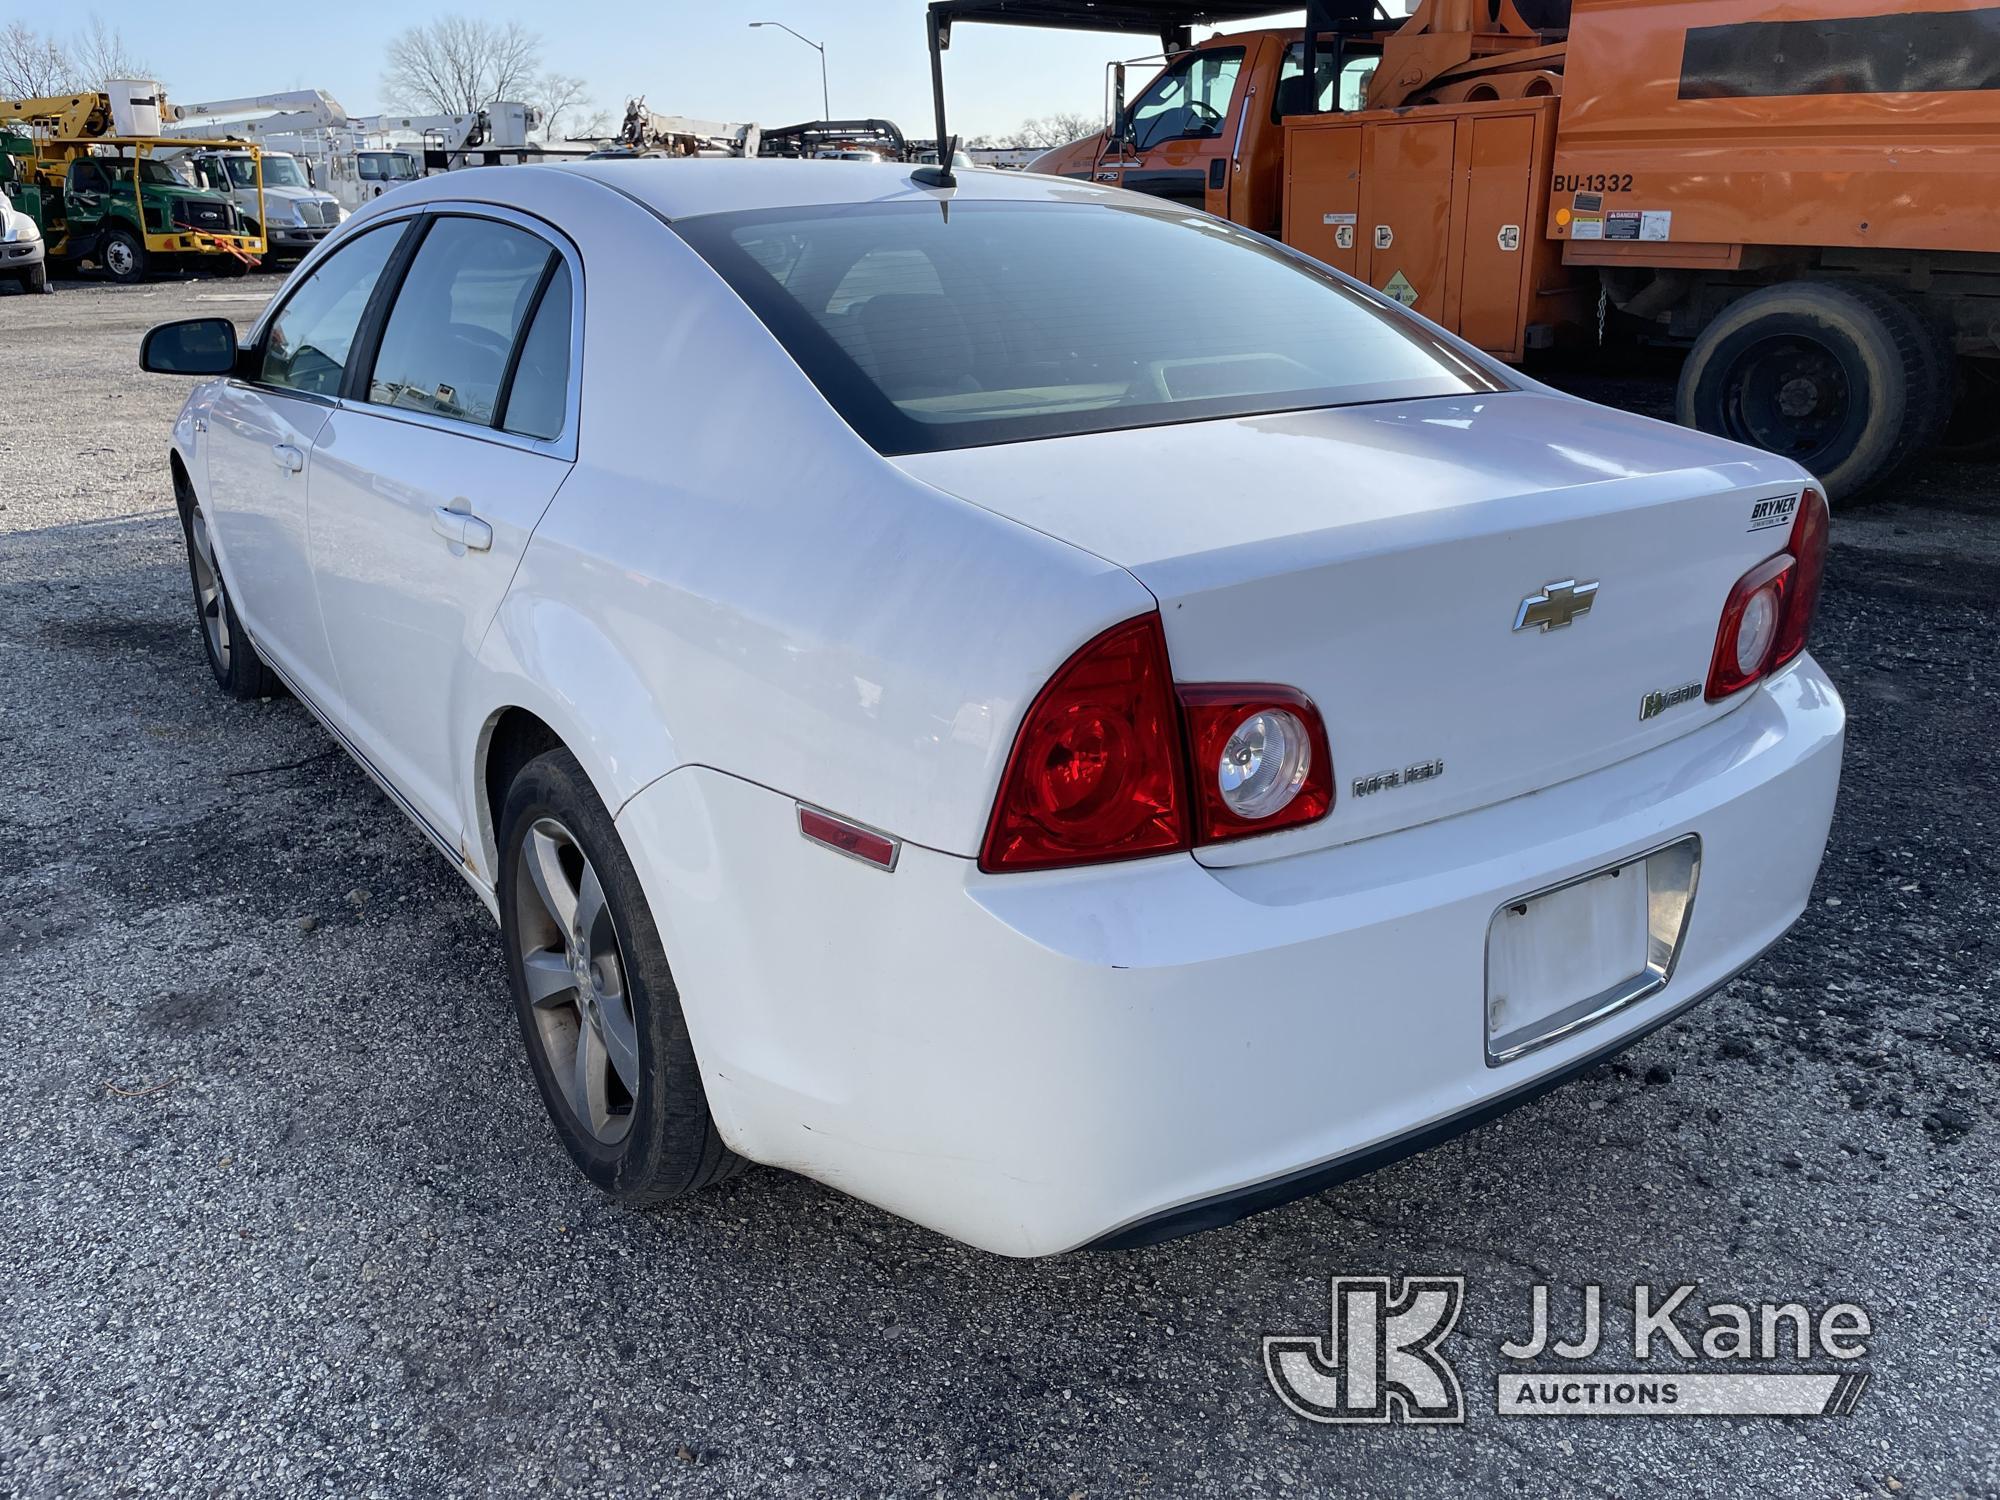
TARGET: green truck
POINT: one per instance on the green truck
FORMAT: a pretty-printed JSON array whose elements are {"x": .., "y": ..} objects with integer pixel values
[{"x": 109, "y": 200}]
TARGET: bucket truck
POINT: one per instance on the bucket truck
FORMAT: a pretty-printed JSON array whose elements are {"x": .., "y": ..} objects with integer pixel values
[
  {"x": 300, "y": 135},
  {"x": 92, "y": 163}
]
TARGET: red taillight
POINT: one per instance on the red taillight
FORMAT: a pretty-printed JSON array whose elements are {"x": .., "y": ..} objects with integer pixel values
[
  {"x": 1099, "y": 770},
  {"x": 1096, "y": 771},
  {"x": 1298, "y": 779},
  {"x": 1809, "y": 547},
  {"x": 1768, "y": 615}
]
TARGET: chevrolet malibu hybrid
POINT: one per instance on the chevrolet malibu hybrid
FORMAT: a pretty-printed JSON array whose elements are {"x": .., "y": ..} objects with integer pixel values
[{"x": 1038, "y": 708}]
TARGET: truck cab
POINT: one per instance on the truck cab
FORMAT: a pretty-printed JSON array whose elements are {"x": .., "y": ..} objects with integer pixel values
[
  {"x": 1208, "y": 129},
  {"x": 376, "y": 172},
  {"x": 116, "y": 210},
  {"x": 297, "y": 215}
]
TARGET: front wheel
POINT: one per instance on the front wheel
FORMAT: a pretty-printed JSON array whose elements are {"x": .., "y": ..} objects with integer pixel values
[
  {"x": 1841, "y": 377},
  {"x": 238, "y": 669},
  {"x": 596, "y": 1000},
  {"x": 122, "y": 256}
]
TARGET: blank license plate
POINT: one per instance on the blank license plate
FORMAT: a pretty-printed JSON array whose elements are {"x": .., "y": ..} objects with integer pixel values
[{"x": 1565, "y": 958}]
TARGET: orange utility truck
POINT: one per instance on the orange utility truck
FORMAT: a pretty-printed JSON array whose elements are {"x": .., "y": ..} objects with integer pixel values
[{"x": 1806, "y": 194}]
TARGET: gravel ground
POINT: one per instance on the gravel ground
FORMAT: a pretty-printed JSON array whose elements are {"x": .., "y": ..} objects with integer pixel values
[{"x": 281, "y": 1213}]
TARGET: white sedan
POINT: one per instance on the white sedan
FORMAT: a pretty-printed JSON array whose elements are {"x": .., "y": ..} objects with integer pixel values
[{"x": 1040, "y": 709}]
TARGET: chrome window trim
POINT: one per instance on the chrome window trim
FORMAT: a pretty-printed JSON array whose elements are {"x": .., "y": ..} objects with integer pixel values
[{"x": 562, "y": 447}]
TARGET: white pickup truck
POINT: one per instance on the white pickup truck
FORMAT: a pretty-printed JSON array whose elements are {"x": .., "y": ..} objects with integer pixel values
[{"x": 300, "y": 214}]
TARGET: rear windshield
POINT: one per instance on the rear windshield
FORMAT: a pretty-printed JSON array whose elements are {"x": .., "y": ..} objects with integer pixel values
[{"x": 935, "y": 325}]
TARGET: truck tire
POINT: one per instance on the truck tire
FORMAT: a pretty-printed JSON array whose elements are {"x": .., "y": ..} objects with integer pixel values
[
  {"x": 1842, "y": 377},
  {"x": 122, "y": 256},
  {"x": 1972, "y": 435}
]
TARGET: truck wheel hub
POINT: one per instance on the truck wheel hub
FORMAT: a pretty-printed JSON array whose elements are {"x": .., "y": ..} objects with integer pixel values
[{"x": 1799, "y": 396}]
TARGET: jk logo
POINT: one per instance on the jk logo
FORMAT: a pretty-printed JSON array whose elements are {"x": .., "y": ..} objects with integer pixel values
[{"x": 1379, "y": 1360}]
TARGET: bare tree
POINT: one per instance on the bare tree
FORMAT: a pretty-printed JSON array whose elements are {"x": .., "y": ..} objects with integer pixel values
[
  {"x": 457, "y": 64},
  {"x": 1044, "y": 131},
  {"x": 598, "y": 125},
  {"x": 559, "y": 94},
  {"x": 35, "y": 66},
  {"x": 32, "y": 66},
  {"x": 98, "y": 54}
]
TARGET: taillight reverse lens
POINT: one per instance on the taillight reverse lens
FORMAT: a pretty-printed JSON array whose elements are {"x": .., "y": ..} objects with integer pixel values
[
  {"x": 1768, "y": 615},
  {"x": 1259, "y": 758},
  {"x": 1113, "y": 761},
  {"x": 1096, "y": 771}
]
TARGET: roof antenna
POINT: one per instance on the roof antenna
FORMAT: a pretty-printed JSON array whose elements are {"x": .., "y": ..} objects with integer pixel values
[{"x": 940, "y": 175}]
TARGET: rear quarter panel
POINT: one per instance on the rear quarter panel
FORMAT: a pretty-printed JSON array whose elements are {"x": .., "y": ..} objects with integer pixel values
[{"x": 731, "y": 578}]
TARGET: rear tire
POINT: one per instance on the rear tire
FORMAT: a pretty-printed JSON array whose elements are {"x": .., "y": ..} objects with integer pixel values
[
  {"x": 122, "y": 256},
  {"x": 599, "y": 1011},
  {"x": 239, "y": 671},
  {"x": 1843, "y": 378}
]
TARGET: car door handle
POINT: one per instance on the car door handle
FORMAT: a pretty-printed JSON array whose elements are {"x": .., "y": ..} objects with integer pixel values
[
  {"x": 287, "y": 457},
  {"x": 462, "y": 527}
]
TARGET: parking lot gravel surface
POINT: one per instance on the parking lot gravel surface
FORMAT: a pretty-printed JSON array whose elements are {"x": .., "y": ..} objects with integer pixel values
[{"x": 280, "y": 1212}]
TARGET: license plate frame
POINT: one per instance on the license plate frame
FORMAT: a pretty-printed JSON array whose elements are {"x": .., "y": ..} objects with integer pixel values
[{"x": 1515, "y": 1024}]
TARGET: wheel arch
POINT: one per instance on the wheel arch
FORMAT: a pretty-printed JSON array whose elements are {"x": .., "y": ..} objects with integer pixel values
[
  {"x": 510, "y": 737},
  {"x": 524, "y": 719}
]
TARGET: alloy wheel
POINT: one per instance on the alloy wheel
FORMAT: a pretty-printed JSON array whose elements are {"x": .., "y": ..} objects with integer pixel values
[
  {"x": 210, "y": 601},
  {"x": 576, "y": 980}
]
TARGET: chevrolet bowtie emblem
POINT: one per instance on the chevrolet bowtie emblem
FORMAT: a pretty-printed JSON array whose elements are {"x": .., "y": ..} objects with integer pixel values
[{"x": 1556, "y": 605}]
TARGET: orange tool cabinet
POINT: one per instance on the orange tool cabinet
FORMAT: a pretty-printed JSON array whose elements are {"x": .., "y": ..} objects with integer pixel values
[{"x": 1442, "y": 209}]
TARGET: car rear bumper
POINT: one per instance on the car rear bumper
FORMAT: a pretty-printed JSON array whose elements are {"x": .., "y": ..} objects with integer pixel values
[{"x": 1110, "y": 1056}]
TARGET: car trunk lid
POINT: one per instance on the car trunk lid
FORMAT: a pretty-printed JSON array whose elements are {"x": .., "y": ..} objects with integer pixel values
[{"x": 1379, "y": 558}]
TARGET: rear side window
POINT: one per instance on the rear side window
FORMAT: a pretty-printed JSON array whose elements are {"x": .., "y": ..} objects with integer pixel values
[
  {"x": 1001, "y": 321},
  {"x": 538, "y": 400},
  {"x": 450, "y": 336},
  {"x": 307, "y": 344}
]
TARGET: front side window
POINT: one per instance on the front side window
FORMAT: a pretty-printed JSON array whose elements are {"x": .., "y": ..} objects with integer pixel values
[
  {"x": 307, "y": 344},
  {"x": 1005, "y": 321},
  {"x": 1190, "y": 100},
  {"x": 449, "y": 338}
]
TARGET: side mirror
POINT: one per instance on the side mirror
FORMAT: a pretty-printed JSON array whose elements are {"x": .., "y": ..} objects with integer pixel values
[
  {"x": 1121, "y": 122},
  {"x": 194, "y": 346}
]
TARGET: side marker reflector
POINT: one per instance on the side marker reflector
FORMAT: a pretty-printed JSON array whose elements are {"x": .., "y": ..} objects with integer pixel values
[{"x": 851, "y": 839}]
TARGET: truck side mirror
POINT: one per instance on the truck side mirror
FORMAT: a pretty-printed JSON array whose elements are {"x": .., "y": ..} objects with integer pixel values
[
  {"x": 1121, "y": 122},
  {"x": 193, "y": 346}
]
